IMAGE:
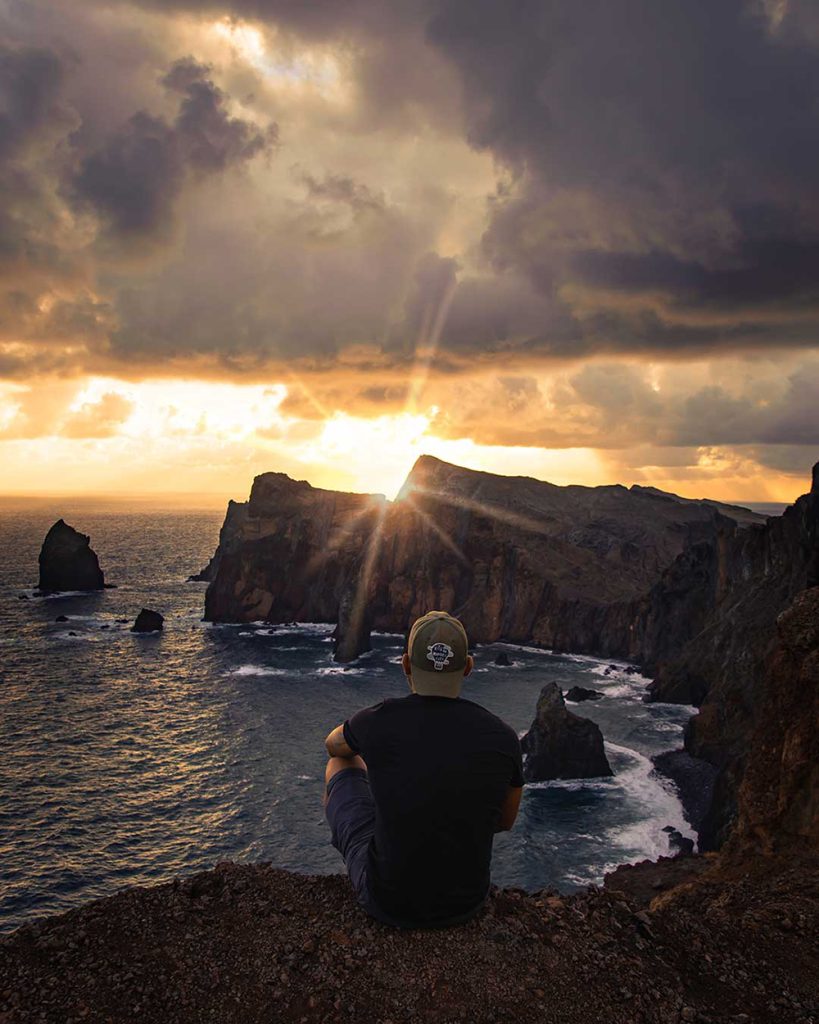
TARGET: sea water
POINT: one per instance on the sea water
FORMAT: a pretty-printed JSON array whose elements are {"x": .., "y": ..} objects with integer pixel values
[{"x": 126, "y": 759}]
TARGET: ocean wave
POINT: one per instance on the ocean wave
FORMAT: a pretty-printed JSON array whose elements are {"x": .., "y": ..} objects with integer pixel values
[
  {"x": 518, "y": 647},
  {"x": 644, "y": 838},
  {"x": 71, "y": 635},
  {"x": 337, "y": 670},
  {"x": 258, "y": 670}
]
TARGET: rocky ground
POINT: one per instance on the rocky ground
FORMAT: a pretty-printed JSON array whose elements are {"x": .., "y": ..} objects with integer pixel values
[{"x": 252, "y": 943}]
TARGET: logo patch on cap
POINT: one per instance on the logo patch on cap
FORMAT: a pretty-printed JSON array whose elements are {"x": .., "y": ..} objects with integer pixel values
[{"x": 439, "y": 654}]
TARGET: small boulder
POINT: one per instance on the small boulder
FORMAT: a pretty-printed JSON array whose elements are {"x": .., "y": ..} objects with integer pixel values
[
  {"x": 61, "y": 618},
  {"x": 561, "y": 745},
  {"x": 147, "y": 622},
  {"x": 503, "y": 659},
  {"x": 679, "y": 843},
  {"x": 67, "y": 561},
  {"x": 578, "y": 693}
]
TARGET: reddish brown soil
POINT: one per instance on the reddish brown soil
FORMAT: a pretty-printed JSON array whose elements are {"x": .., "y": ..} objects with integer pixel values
[{"x": 253, "y": 944}]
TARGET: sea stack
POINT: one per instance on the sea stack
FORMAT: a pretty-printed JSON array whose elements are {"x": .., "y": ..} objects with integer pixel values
[
  {"x": 67, "y": 561},
  {"x": 561, "y": 745}
]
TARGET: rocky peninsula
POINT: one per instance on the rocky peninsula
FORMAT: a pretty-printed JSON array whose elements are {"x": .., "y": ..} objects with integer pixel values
[
  {"x": 687, "y": 590},
  {"x": 516, "y": 559}
]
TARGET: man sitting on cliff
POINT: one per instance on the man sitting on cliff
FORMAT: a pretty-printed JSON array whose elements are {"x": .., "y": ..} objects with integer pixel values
[{"x": 417, "y": 786}]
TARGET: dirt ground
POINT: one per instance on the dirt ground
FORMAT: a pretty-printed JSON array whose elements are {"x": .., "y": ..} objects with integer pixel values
[{"x": 684, "y": 941}]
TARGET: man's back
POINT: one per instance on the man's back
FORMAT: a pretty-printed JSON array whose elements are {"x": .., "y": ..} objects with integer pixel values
[{"x": 440, "y": 769}]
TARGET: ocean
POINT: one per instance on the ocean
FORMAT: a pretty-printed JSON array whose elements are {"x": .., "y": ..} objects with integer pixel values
[{"x": 127, "y": 759}]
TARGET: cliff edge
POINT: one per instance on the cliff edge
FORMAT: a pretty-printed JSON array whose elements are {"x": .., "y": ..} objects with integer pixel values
[{"x": 514, "y": 558}]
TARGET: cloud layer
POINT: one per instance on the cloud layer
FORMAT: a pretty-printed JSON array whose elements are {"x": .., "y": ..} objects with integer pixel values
[{"x": 425, "y": 203}]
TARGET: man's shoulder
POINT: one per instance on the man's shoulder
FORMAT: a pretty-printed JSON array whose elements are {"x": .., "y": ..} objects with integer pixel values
[{"x": 488, "y": 717}]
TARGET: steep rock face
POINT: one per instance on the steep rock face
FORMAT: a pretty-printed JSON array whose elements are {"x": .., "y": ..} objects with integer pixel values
[
  {"x": 67, "y": 561},
  {"x": 514, "y": 558},
  {"x": 778, "y": 798},
  {"x": 560, "y": 745},
  {"x": 290, "y": 553},
  {"x": 708, "y": 625}
]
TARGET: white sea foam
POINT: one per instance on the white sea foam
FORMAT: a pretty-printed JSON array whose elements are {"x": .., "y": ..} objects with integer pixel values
[
  {"x": 645, "y": 838},
  {"x": 574, "y": 785},
  {"x": 257, "y": 670},
  {"x": 338, "y": 670},
  {"x": 519, "y": 647}
]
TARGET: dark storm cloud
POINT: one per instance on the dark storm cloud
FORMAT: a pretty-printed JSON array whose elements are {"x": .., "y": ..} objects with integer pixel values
[
  {"x": 658, "y": 163},
  {"x": 134, "y": 179},
  {"x": 30, "y": 80},
  {"x": 690, "y": 127}
]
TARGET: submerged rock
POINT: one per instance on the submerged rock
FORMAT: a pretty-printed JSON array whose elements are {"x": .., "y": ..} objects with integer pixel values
[
  {"x": 561, "y": 745},
  {"x": 147, "y": 621},
  {"x": 67, "y": 561},
  {"x": 503, "y": 659},
  {"x": 578, "y": 693}
]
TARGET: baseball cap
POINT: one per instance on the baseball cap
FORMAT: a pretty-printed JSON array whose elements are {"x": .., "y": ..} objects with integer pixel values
[{"x": 438, "y": 649}]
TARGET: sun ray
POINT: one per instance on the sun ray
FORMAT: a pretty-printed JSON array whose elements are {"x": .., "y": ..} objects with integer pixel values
[
  {"x": 438, "y": 531},
  {"x": 322, "y": 410},
  {"x": 501, "y": 515},
  {"x": 363, "y": 583},
  {"x": 426, "y": 347},
  {"x": 344, "y": 530}
]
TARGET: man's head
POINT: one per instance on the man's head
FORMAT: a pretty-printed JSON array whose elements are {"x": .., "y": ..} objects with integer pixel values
[{"x": 437, "y": 657}]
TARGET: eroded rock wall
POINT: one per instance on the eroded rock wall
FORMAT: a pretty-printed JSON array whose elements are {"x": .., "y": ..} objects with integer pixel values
[
  {"x": 709, "y": 625},
  {"x": 514, "y": 558}
]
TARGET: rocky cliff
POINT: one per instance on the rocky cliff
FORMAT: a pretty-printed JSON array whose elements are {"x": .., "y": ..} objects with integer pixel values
[
  {"x": 514, "y": 558},
  {"x": 708, "y": 627}
]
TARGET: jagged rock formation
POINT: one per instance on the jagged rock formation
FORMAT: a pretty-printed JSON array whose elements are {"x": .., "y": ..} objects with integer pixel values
[
  {"x": 514, "y": 558},
  {"x": 148, "y": 621},
  {"x": 560, "y": 745},
  {"x": 67, "y": 561},
  {"x": 581, "y": 693},
  {"x": 708, "y": 627}
]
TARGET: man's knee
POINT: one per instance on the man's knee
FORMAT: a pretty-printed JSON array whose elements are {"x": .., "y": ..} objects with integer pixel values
[{"x": 337, "y": 764}]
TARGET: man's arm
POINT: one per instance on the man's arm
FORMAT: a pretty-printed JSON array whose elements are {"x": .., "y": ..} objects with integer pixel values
[
  {"x": 509, "y": 809},
  {"x": 336, "y": 745}
]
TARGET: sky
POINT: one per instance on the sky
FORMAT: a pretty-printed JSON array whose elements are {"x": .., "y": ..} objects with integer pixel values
[{"x": 574, "y": 241}]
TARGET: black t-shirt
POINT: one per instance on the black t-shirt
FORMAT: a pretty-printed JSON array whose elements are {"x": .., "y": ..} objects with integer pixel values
[{"x": 439, "y": 769}]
